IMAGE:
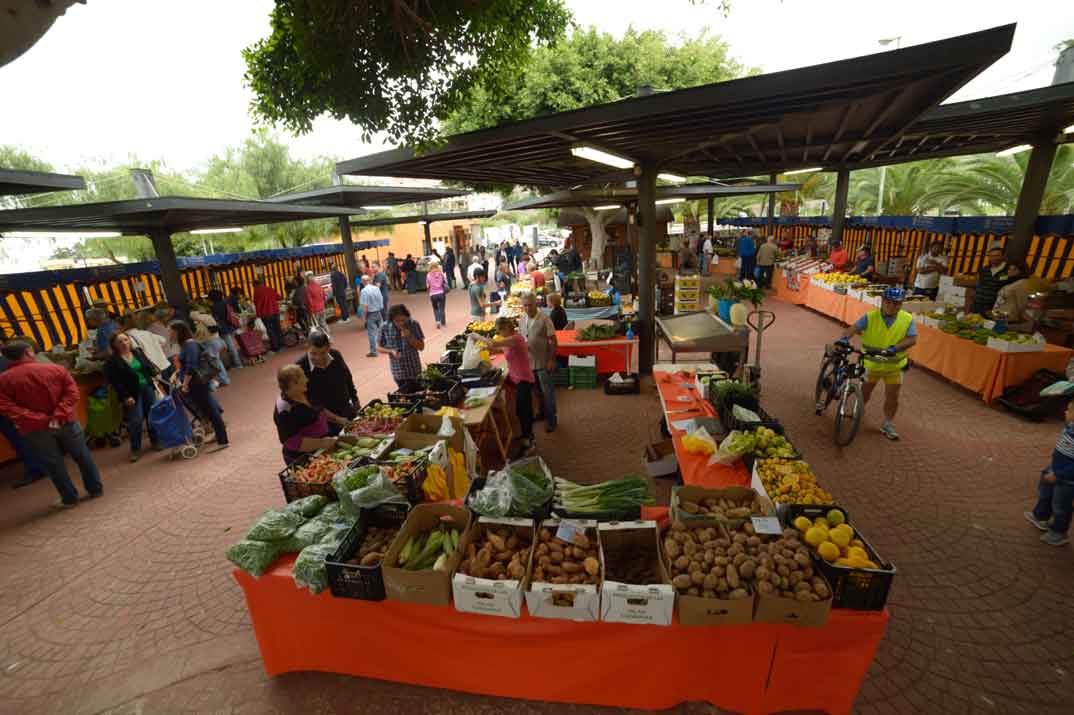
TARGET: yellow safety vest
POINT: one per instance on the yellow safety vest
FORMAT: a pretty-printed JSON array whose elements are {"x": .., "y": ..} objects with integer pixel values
[{"x": 878, "y": 336}]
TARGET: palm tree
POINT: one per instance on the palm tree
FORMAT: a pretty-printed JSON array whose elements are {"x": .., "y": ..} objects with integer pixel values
[
  {"x": 989, "y": 184},
  {"x": 818, "y": 186},
  {"x": 908, "y": 189}
]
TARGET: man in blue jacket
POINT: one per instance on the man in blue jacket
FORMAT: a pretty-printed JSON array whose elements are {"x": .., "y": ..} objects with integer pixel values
[{"x": 747, "y": 256}]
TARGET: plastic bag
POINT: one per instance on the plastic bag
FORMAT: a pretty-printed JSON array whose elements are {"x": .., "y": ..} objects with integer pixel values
[
  {"x": 733, "y": 446},
  {"x": 471, "y": 355},
  {"x": 307, "y": 506},
  {"x": 309, "y": 569},
  {"x": 378, "y": 490},
  {"x": 331, "y": 512},
  {"x": 493, "y": 499},
  {"x": 743, "y": 415},
  {"x": 275, "y": 525},
  {"x": 446, "y": 428},
  {"x": 306, "y": 535},
  {"x": 699, "y": 442},
  {"x": 336, "y": 532},
  {"x": 253, "y": 557},
  {"x": 520, "y": 490}
]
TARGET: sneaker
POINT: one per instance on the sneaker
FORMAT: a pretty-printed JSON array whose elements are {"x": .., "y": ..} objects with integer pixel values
[
  {"x": 1040, "y": 524},
  {"x": 135, "y": 456},
  {"x": 92, "y": 495},
  {"x": 889, "y": 431},
  {"x": 60, "y": 505},
  {"x": 1054, "y": 538}
]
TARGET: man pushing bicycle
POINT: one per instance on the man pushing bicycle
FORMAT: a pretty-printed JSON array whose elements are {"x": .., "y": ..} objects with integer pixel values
[{"x": 891, "y": 330}]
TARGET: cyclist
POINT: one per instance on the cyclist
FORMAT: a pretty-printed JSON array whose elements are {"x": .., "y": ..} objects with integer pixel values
[{"x": 892, "y": 330}]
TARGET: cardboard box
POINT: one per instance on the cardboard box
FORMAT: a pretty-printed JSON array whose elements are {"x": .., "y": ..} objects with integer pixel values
[
  {"x": 620, "y": 602},
  {"x": 418, "y": 431},
  {"x": 694, "y": 493},
  {"x": 492, "y": 597},
  {"x": 574, "y": 602},
  {"x": 947, "y": 282},
  {"x": 700, "y": 611},
  {"x": 660, "y": 459},
  {"x": 790, "y": 611},
  {"x": 430, "y": 587},
  {"x": 1007, "y": 346}
]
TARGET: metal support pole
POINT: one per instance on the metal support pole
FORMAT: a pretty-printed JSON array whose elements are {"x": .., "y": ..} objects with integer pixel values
[
  {"x": 712, "y": 217},
  {"x": 647, "y": 266},
  {"x": 348, "y": 250},
  {"x": 880, "y": 192},
  {"x": 1029, "y": 198},
  {"x": 771, "y": 208},
  {"x": 839, "y": 213},
  {"x": 169, "y": 272},
  {"x": 428, "y": 240}
]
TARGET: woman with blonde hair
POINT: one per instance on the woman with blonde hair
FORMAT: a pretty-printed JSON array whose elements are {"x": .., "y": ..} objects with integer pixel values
[{"x": 436, "y": 282}]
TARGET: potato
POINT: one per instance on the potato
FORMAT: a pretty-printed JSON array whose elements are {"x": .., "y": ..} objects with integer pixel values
[
  {"x": 795, "y": 578},
  {"x": 722, "y": 585},
  {"x": 497, "y": 570},
  {"x": 671, "y": 548},
  {"x": 802, "y": 586},
  {"x": 689, "y": 507},
  {"x": 681, "y": 581},
  {"x": 542, "y": 549},
  {"x": 571, "y": 567},
  {"x": 693, "y": 591},
  {"x": 740, "y": 559},
  {"x": 690, "y": 548},
  {"x": 559, "y": 580},
  {"x": 710, "y": 582},
  {"x": 765, "y": 587},
  {"x": 697, "y": 578},
  {"x": 821, "y": 589},
  {"x": 576, "y": 553},
  {"x": 581, "y": 541},
  {"x": 708, "y": 593},
  {"x": 718, "y": 571},
  {"x": 554, "y": 570},
  {"x": 497, "y": 541},
  {"x": 802, "y": 559},
  {"x": 544, "y": 561},
  {"x": 484, "y": 556},
  {"x": 505, "y": 556},
  {"x": 556, "y": 557},
  {"x": 694, "y": 566},
  {"x": 803, "y": 595},
  {"x": 682, "y": 563},
  {"x": 545, "y": 534},
  {"x": 538, "y": 574},
  {"x": 740, "y": 512},
  {"x": 722, "y": 561},
  {"x": 747, "y": 570},
  {"x": 591, "y": 566},
  {"x": 732, "y": 576},
  {"x": 738, "y": 593},
  {"x": 516, "y": 571}
]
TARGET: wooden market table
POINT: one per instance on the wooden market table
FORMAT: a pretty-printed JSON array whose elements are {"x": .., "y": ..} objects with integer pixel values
[
  {"x": 754, "y": 668},
  {"x": 978, "y": 368},
  {"x": 613, "y": 355},
  {"x": 490, "y": 424},
  {"x": 87, "y": 383}
]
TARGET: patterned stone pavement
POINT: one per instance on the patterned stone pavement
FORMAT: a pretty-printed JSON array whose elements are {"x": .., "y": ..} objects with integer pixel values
[{"x": 126, "y": 604}]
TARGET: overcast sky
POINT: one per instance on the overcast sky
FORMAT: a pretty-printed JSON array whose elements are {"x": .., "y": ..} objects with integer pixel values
[{"x": 163, "y": 80}]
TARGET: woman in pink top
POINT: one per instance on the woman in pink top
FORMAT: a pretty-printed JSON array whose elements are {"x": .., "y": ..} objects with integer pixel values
[
  {"x": 435, "y": 280},
  {"x": 513, "y": 345}
]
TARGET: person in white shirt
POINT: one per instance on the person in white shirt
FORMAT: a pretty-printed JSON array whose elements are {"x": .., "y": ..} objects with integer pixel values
[
  {"x": 930, "y": 266},
  {"x": 706, "y": 249},
  {"x": 475, "y": 265}
]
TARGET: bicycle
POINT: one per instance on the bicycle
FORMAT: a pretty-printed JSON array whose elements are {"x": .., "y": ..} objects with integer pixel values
[{"x": 841, "y": 379}]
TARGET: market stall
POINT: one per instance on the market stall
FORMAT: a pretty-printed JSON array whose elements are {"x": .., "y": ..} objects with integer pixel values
[
  {"x": 614, "y": 354},
  {"x": 791, "y": 286}
]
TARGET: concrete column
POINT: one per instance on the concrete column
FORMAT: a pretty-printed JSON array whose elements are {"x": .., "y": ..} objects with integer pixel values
[
  {"x": 647, "y": 266},
  {"x": 712, "y": 218},
  {"x": 348, "y": 249},
  {"x": 1029, "y": 198},
  {"x": 771, "y": 208},
  {"x": 839, "y": 212},
  {"x": 169, "y": 272},
  {"x": 428, "y": 240}
]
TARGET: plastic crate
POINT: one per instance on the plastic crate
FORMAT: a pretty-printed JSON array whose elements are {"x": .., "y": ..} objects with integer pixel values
[
  {"x": 364, "y": 412},
  {"x": 356, "y": 581},
  {"x": 447, "y": 369},
  {"x": 296, "y": 489},
  {"x": 430, "y": 394},
  {"x": 631, "y": 385},
  {"x": 411, "y": 488},
  {"x": 855, "y": 589},
  {"x": 583, "y": 377}
]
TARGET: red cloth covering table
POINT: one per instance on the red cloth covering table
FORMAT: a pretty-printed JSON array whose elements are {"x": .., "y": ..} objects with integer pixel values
[
  {"x": 755, "y": 668},
  {"x": 613, "y": 355}
]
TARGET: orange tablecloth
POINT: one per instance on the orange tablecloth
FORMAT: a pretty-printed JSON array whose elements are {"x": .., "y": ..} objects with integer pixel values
[
  {"x": 614, "y": 355},
  {"x": 86, "y": 385},
  {"x": 785, "y": 293},
  {"x": 751, "y": 669},
  {"x": 694, "y": 468},
  {"x": 826, "y": 302}
]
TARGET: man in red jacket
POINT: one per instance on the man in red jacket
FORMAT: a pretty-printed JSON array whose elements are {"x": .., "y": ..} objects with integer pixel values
[
  {"x": 267, "y": 305},
  {"x": 41, "y": 400},
  {"x": 315, "y": 302}
]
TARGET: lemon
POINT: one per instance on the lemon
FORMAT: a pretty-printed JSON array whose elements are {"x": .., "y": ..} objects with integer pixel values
[
  {"x": 855, "y": 553},
  {"x": 828, "y": 551},
  {"x": 802, "y": 524},
  {"x": 847, "y": 529},
  {"x": 842, "y": 562},
  {"x": 835, "y": 517},
  {"x": 858, "y": 543},
  {"x": 839, "y": 537},
  {"x": 821, "y": 522},
  {"x": 816, "y": 536}
]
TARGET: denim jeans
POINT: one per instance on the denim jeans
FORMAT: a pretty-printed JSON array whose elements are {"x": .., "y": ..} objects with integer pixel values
[
  {"x": 275, "y": 335},
  {"x": 745, "y": 270},
  {"x": 233, "y": 348},
  {"x": 51, "y": 445},
  {"x": 548, "y": 396},
  {"x": 214, "y": 346},
  {"x": 138, "y": 414},
  {"x": 208, "y": 408},
  {"x": 343, "y": 312},
  {"x": 31, "y": 465},
  {"x": 1055, "y": 501},
  {"x": 451, "y": 279},
  {"x": 373, "y": 321},
  {"x": 764, "y": 276},
  {"x": 524, "y": 407},
  {"x": 439, "y": 302}
]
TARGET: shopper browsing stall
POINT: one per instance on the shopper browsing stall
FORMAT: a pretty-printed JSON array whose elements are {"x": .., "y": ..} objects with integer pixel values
[
  {"x": 339, "y": 293},
  {"x": 402, "y": 340},
  {"x": 315, "y": 303},
  {"x": 540, "y": 335},
  {"x": 557, "y": 314},
  {"x": 746, "y": 249},
  {"x": 436, "y": 282},
  {"x": 1055, "y": 490},
  {"x": 227, "y": 321},
  {"x": 302, "y": 426},
  {"x": 892, "y": 330},
  {"x": 1013, "y": 298},
  {"x": 513, "y": 346},
  {"x": 98, "y": 319},
  {"x": 380, "y": 280},
  {"x": 766, "y": 262},
  {"x": 331, "y": 384},
  {"x": 193, "y": 377},
  {"x": 267, "y": 307},
  {"x": 371, "y": 307},
  {"x": 131, "y": 375},
  {"x": 477, "y": 293}
]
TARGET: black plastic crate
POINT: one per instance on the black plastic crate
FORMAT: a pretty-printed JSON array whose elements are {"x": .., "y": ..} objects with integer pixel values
[
  {"x": 733, "y": 423},
  {"x": 430, "y": 394},
  {"x": 631, "y": 385},
  {"x": 855, "y": 589},
  {"x": 447, "y": 369},
  {"x": 296, "y": 489},
  {"x": 411, "y": 487},
  {"x": 353, "y": 580},
  {"x": 452, "y": 357},
  {"x": 457, "y": 344},
  {"x": 372, "y": 403},
  {"x": 1025, "y": 399}
]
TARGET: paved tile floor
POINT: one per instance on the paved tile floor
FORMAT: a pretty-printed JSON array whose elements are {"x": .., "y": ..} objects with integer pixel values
[{"x": 126, "y": 604}]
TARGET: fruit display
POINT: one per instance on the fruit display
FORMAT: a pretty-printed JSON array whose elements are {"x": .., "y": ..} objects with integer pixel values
[
  {"x": 791, "y": 481},
  {"x": 383, "y": 411},
  {"x": 559, "y": 562},
  {"x": 499, "y": 552},
  {"x": 839, "y": 279},
  {"x": 597, "y": 332},
  {"x": 482, "y": 327},
  {"x": 598, "y": 299},
  {"x": 703, "y": 564},
  {"x": 432, "y": 373},
  {"x": 374, "y": 545},
  {"x": 429, "y": 550},
  {"x": 626, "y": 494},
  {"x": 406, "y": 468},
  {"x": 834, "y": 540},
  {"x": 725, "y": 508},
  {"x": 778, "y": 566}
]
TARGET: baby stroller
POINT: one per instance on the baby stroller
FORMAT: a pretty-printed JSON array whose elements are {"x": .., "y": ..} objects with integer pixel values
[
  {"x": 168, "y": 417},
  {"x": 251, "y": 346}
]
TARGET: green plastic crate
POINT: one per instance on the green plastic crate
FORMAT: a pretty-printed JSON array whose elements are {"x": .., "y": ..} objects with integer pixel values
[{"x": 583, "y": 377}]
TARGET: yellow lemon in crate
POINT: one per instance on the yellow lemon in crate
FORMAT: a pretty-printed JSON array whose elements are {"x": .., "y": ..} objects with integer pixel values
[
  {"x": 855, "y": 553},
  {"x": 828, "y": 551},
  {"x": 803, "y": 524},
  {"x": 816, "y": 536},
  {"x": 839, "y": 537}
]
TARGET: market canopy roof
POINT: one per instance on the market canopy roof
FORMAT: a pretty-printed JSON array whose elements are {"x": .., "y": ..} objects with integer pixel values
[
  {"x": 983, "y": 126},
  {"x": 168, "y": 213},
  {"x": 832, "y": 114},
  {"x": 359, "y": 196},
  {"x": 617, "y": 194},
  {"x": 427, "y": 218},
  {"x": 14, "y": 182},
  {"x": 568, "y": 218}
]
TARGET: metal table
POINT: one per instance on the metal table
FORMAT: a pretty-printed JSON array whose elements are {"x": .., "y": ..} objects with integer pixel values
[{"x": 701, "y": 332}]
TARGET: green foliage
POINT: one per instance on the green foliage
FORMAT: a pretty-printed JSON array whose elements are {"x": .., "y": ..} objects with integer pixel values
[
  {"x": 989, "y": 184},
  {"x": 393, "y": 66},
  {"x": 591, "y": 67}
]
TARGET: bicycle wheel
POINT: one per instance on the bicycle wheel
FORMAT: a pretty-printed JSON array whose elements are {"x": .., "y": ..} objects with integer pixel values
[
  {"x": 824, "y": 393},
  {"x": 848, "y": 415}
]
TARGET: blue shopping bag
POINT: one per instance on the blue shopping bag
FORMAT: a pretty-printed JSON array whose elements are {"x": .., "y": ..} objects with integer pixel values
[{"x": 168, "y": 419}]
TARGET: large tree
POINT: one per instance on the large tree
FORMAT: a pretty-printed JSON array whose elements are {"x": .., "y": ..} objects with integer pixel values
[
  {"x": 393, "y": 66},
  {"x": 989, "y": 184}
]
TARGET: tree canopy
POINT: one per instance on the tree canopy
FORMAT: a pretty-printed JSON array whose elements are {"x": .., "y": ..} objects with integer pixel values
[{"x": 393, "y": 66}]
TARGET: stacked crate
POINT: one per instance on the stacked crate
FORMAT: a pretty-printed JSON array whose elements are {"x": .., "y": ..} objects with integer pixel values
[{"x": 687, "y": 293}]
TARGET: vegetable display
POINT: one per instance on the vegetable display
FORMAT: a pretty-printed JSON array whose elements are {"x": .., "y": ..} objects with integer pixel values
[
  {"x": 429, "y": 550},
  {"x": 703, "y": 564},
  {"x": 318, "y": 470},
  {"x": 597, "y": 332},
  {"x": 725, "y": 508},
  {"x": 375, "y": 426},
  {"x": 834, "y": 540},
  {"x": 431, "y": 373},
  {"x": 498, "y": 552},
  {"x": 731, "y": 391},
  {"x": 559, "y": 562},
  {"x": 775, "y": 566},
  {"x": 630, "y": 492},
  {"x": 374, "y": 545}
]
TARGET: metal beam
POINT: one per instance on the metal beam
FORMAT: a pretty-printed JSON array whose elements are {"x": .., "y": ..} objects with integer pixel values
[
  {"x": 169, "y": 272},
  {"x": 647, "y": 266},
  {"x": 839, "y": 212},
  {"x": 348, "y": 250},
  {"x": 428, "y": 239},
  {"x": 712, "y": 211},
  {"x": 771, "y": 208},
  {"x": 1029, "y": 198}
]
